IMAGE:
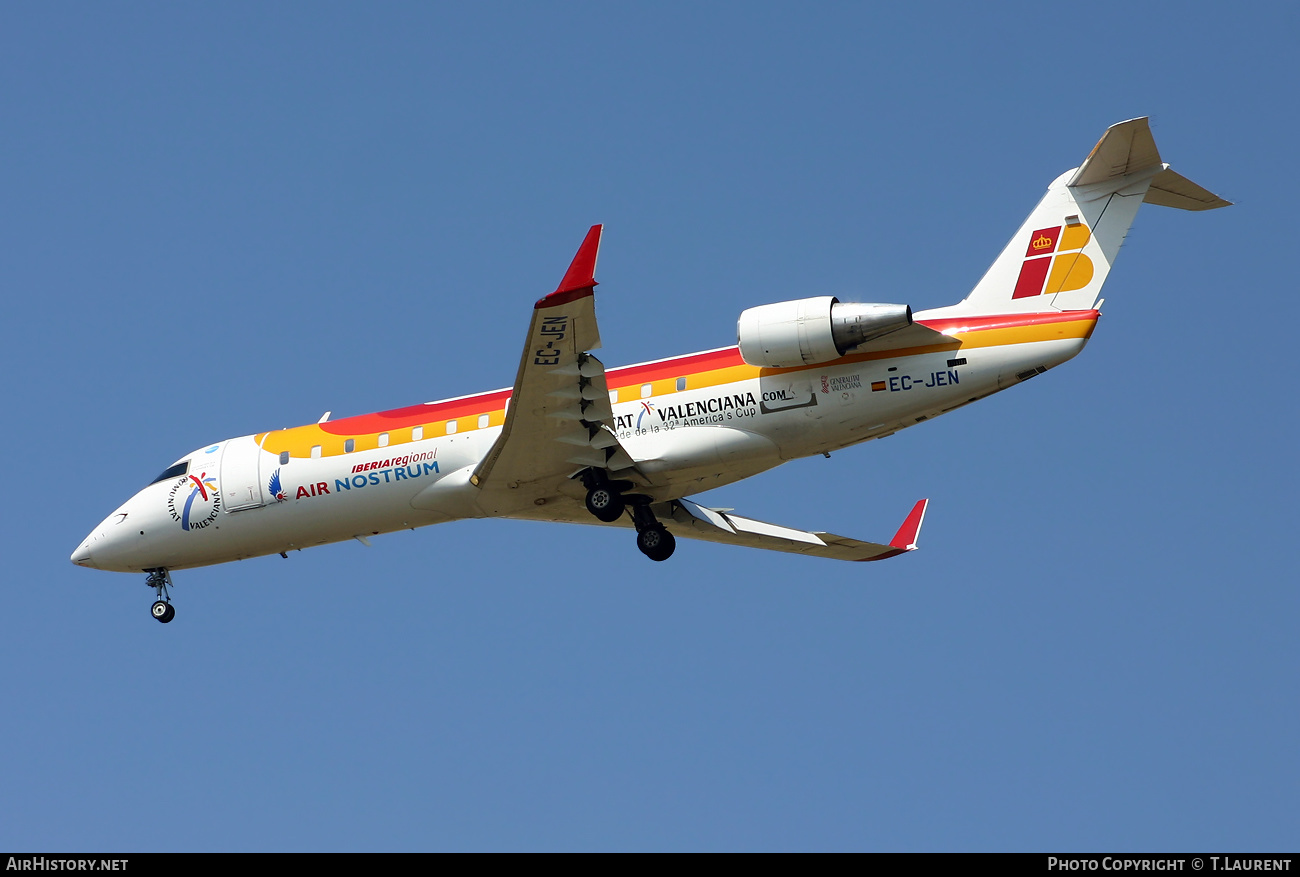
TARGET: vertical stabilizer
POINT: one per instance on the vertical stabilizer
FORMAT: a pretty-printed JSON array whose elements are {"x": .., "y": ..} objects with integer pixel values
[{"x": 1060, "y": 257}]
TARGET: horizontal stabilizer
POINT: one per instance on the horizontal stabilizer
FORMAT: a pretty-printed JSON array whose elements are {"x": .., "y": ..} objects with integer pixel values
[
  {"x": 689, "y": 520},
  {"x": 1171, "y": 189},
  {"x": 1062, "y": 254}
]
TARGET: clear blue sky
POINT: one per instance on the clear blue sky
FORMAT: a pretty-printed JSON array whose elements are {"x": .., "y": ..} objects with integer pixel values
[{"x": 227, "y": 218}]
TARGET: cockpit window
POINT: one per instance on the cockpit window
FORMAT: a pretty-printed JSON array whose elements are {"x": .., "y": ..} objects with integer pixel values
[{"x": 173, "y": 472}]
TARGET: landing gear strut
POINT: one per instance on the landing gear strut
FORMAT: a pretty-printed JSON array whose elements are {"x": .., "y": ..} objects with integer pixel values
[
  {"x": 159, "y": 580},
  {"x": 607, "y": 502}
]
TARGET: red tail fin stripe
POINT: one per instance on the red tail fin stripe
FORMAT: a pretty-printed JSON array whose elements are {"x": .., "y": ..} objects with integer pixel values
[
  {"x": 1043, "y": 241},
  {"x": 1033, "y": 274}
]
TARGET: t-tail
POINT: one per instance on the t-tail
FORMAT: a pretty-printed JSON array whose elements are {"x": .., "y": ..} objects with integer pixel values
[{"x": 1060, "y": 257}]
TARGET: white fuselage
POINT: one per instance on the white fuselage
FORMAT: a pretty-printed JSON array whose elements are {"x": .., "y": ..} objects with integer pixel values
[{"x": 247, "y": 497}]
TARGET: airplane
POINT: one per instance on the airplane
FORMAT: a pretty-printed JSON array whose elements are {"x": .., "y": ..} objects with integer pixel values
[{"x": 575, "y": 442}]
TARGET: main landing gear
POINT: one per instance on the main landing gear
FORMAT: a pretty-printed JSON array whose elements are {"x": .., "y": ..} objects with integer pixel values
[
  {"x": 604, "y": 497},
  {"x": 159, "y": 580},
  {"x": 607, "y": 502},
  {"x": 655, "y": 542}
]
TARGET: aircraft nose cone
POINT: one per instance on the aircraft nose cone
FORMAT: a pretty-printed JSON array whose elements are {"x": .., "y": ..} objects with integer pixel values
[{"x": 81, "y": 557}]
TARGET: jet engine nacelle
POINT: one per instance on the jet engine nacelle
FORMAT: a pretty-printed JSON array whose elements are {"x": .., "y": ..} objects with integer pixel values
[{"x": 812, "y": 330}]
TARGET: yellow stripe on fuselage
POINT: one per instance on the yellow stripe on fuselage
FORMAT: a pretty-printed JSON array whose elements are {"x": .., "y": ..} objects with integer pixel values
[{"x": 300, "y": 441}]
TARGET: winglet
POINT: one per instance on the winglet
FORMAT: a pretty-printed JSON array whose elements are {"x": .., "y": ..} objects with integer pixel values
[
  {"x": 905, "y": 538},
  {"x": 580, "y": 279}
]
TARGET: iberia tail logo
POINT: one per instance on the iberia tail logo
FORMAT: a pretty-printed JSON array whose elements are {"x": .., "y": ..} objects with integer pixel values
[{"x": 1054, "y": 261}]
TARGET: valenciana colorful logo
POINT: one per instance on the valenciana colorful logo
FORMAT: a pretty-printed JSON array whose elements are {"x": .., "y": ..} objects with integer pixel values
[
  {"x": 647, "y": 408},
  {"x": 1054, "y": 261},
  {"x": 199, "y": 505}
]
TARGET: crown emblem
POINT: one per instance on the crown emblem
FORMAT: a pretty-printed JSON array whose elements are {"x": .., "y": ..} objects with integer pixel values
[{"x": 1042, "y": 242}]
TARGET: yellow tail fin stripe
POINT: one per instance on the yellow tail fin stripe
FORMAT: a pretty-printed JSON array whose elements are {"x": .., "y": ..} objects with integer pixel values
[
  {"x": 1073, "y": 237},
  {"x": 1069, "y": 272}
]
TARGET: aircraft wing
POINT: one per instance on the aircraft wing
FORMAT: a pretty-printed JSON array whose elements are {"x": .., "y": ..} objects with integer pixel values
[
  {"x": 689, "y": 520},
  {"x": 558, "y": 420}
]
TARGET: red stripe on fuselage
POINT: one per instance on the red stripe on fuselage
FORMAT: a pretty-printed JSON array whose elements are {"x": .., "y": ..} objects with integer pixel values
[
  {"x": 677, "y": 367},
  {"x": 414, "y": 415},
  {"x": 1006, "y": 321}
]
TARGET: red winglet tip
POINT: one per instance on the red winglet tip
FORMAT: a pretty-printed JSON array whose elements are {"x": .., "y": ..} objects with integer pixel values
[
  {"x": 580, "y": 279},
  {"x": 905, "y": 538},
  {"x": 582, "y": 271}
]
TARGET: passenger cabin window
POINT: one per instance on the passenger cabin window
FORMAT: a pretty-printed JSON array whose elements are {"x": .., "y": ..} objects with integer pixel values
[
  {"x": 681, "y": 384},
  {"x": 482, "y": 421},
  {"x": 417, "y": 433},
  {"x": 613, "y": 397},
  {"x": 646, "y": 390},
  {"x": 349, "y": 446},
  {"x": 176, "y": 471},
  {"x": 383, "y": 440},
  {"x": 451, "y": 427},
  {"x": 315, "y": 452},
  {"x": 284, "y": 458}
]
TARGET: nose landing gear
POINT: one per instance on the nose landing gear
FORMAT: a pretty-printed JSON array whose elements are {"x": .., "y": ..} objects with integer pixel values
[{"x": 159, "y": 580}]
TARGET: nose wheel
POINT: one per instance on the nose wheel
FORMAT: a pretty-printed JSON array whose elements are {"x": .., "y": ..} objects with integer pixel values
[{"x": 162, "y": 609}]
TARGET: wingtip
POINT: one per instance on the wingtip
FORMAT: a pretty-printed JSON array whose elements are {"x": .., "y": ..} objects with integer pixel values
[
  {"x": 580, "y": 279},
  {"x": 582, "y": 271},
  {"x": 905, "y": 538}
]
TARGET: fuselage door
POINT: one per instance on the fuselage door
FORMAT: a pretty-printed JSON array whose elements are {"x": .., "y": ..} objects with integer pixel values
[{"x": 241, "y": 484}]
